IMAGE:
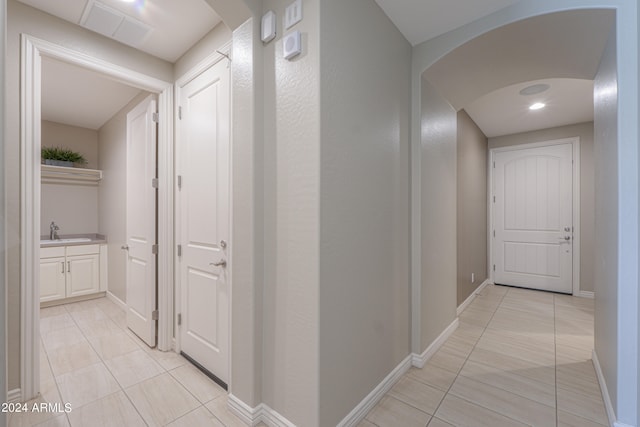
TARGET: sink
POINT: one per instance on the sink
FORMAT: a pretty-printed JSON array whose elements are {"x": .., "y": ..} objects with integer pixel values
[{"x": 62, "y": 241}]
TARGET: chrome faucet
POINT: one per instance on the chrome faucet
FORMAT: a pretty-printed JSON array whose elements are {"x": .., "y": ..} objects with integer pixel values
[{"x": 53, "y": 231}]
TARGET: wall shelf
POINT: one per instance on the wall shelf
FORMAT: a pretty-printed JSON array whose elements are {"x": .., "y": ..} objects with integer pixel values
[{"x": 70, "y": 176}]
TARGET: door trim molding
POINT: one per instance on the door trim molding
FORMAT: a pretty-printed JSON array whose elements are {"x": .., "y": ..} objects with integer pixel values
[
  {"x": 575, "y": 143},
  {"x": 32, "y": 50}
]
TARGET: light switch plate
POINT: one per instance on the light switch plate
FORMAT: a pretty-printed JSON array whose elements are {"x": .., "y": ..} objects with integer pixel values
[
  {"x": 293, "y": 14},
  {"x": 292, "y": 44},
  {"x": 268, "y": 26}
]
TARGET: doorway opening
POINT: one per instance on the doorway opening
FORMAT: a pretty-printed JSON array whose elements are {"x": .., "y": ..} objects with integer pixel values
[{"x": 33, "y": 50}]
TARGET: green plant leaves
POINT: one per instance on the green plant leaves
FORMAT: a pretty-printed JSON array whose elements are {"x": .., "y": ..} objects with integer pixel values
[{"x": 63, "y": 154}]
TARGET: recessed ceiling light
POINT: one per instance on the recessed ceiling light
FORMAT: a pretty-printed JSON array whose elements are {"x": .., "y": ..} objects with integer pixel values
[
  {"x": 536, "y": 106},
  {"x": 127, "y": 1},
  {"x": 534, "y": 89}
]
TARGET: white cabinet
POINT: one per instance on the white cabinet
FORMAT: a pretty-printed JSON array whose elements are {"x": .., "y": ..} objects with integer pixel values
[
  {"x": 52, "y": 278},
  {"x": 70, "y": 271}
]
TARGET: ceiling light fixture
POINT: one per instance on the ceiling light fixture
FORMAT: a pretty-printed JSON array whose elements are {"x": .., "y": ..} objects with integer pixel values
[
  {"x": 537, "y": 106},
  {"x": 534, "y": 89}
]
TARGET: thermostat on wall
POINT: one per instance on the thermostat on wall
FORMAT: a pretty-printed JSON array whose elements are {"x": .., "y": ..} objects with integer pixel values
[
  {"x": 292, "y": 45},
  {"x": 268, "y": 26}
]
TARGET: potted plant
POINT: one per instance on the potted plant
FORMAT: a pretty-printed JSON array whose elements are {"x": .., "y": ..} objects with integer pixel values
[{"x": 58, "y": 156}]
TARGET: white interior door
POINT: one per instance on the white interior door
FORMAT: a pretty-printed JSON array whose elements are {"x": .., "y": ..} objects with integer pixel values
[
  {"x": 203, "y": 218},
  {"x": 141, "y": 221},
  {"x": 533, "y": 217}
]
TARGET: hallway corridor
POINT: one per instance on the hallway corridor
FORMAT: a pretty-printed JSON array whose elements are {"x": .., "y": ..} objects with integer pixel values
[{"x": 518, "y": 358}]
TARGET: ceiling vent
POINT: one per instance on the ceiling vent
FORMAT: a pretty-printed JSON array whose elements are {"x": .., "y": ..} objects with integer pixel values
[{"x": 112, "y": 23}]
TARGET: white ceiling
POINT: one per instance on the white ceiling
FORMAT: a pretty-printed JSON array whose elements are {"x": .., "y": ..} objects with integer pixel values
[
  {"x": 421, "y": 20},
  {"x": 79, "y": 97},
  {"x": 505, "y": 111},
  {"x": 481, "y": 75},
  {"x": 176, "y": 25}
]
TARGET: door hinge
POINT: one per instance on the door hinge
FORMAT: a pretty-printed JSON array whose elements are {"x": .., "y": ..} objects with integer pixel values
[
  {"x": 494, "y": 267},
  {"x": 154, "y": 315},
  {"x": 154, "y": 182},
  {"x": 179, "y": 113},
  {"x": 155, "y": 117},
  {"x": 494, "y": 199},
  {"x": 179, "y": 319},
  {"x": 494, "y": 233},
  {"x": 179, "y": 181},
  {"x": 179, "y": 250},
  {"x": 154, "y": 249}
]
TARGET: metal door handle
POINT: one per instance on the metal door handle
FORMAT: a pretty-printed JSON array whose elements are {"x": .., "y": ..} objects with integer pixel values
[
  {"x": 125, "y": 247},
  {"x": 62, "y": 267},
  {"x": 68, "y": 266},
  {"x": 222, "y": 263},
  {"x": 565, "y": 239}
]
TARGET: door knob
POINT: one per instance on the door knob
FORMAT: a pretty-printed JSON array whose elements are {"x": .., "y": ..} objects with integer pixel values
[
  {"x": 222, "y": 263},
  {"x": 223, "y": 244}
]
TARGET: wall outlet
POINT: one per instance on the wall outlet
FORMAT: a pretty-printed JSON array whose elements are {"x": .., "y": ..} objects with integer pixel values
[{"x": 473, "y": 278}]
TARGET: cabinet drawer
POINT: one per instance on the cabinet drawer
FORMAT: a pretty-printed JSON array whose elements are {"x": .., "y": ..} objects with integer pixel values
[
  {"x": 83, "y": 250},
  {"x": 52, "y": 252}
]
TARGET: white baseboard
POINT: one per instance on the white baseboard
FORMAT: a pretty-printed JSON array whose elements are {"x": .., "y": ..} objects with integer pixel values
[
  {"x": 273, "y": 418},
  {"x": 587, "y": 294},
  {"x": 359, "y": 412},
  {"x": 471, "y": 297},
  {"x": 117, "y": 301},
  {"x": 418, "y": 360},
  {"x": 611, "y": 414},
  {"x": 14, "y": 396},
  {"x": 261, "y": 413},
  {"x": 246, "y": 413}
]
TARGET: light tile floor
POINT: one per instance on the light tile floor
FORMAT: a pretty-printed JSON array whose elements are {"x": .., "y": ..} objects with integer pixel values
[
  {"x": 89, "y": 359},
  {"x": 518, "y": 358}
]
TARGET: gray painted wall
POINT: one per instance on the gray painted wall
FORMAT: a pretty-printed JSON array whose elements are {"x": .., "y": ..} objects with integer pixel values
[
  {"x": 206, "y": 46},
  {"x": 112, "y": 195},
  {"x": 3, "y": 281},
  {"x": 73, "y": 207},
  {"x": 606, "y": 216},
  {"x": 292, "y": 222},
  {"x": 438, "y": 218},
  {"x": 472, "y": 154},
  {"x": 364, "y": 202},
  {"x": 247, "y": 266},
  {"x": 587, "y": 189}
]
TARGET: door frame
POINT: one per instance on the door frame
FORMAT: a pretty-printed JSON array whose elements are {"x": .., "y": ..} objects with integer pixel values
[
  {"x": 32, "y": 50},
  {"x": 220, "y": 54},
  {"x": 575, "y": 143}
]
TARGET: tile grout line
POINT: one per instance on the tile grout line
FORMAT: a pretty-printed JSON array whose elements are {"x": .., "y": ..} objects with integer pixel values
[
  {"x": 46, "y": 354},
  {"x": 467, "y": 358},
  {"x": 114, "y": 377},
  {"x": 121, "y": 389},
  {"x": 446, "y": 392}
]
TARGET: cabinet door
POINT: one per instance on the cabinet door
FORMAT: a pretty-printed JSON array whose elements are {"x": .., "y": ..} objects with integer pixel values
[
  {"x": 52, "y": 279},
  {"x": 83, "y": 275}
]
